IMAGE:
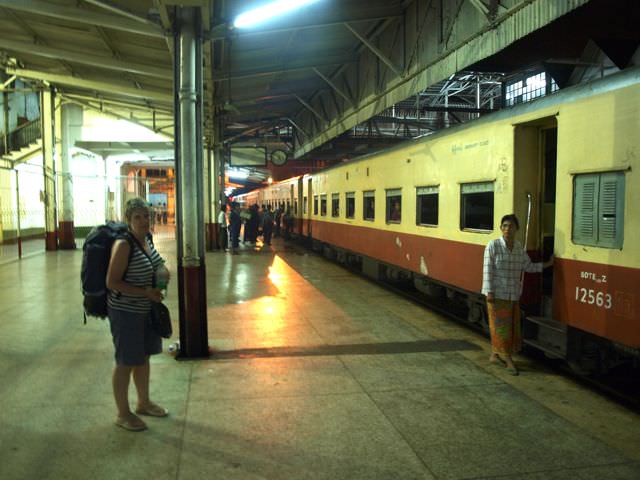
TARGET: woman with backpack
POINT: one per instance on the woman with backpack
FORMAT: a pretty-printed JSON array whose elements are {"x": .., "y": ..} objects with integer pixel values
[{"x": 133, "y": 263}]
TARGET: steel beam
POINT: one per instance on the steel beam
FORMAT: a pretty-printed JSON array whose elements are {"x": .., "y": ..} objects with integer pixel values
[
  {"x": 334, "y": 86},
  {"x": 87, "y": 104},
  {"x": 310, "y": 108},
  {"x": 297, "y": 127},
  {"x": 86, "y": 59},
  {"x": 110, "y": 87},
  {"x": 222, "y": 31},
  {"x": 434, "y": 66},
  {"x": 83, "y": 16},
  {"x": 396, "y": 69},
  {"x": 270, "y": 70},
  {"x": 120, "y": 11},
  {"x": 166, "y": 23}
]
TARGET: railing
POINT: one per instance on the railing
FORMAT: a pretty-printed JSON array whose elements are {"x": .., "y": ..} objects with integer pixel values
[{"x": 21, "y": 137}]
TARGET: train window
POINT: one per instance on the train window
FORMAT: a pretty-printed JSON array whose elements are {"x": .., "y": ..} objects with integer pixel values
[
  {"x": 369, "y": 205},
  {"x": 598, "y": 209},
  {"x": 315, "y": 204},
  {"x": 427, "y": 206},
  {"x": 394, "y": 205},
  {"x": 335, "y": 204},
  {"x": 304, "y": 205},
  {"x": 323, "y": 204},
  {"x": 295, "y": 206},
  {"x": 351, "y": 204},
  {"x": 476, "y": 206}
]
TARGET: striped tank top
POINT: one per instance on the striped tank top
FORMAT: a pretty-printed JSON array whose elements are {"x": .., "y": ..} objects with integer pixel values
[{"x": 139, "y": 273}]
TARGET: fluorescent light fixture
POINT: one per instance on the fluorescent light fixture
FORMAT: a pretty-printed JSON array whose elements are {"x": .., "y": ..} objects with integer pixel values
[
  {"x": 238, "y": 174},
  {"x": 267, "y": 12}
]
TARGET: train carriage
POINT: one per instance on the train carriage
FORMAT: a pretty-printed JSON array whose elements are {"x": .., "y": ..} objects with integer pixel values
[{"x": 566, "y": 164}]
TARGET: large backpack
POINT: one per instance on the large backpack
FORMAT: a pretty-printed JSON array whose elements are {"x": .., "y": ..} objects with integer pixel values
[{"x": 96, "y": 253}]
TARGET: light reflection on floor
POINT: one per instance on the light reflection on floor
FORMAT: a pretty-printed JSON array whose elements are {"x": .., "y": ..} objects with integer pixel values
[{"x": 274, "y": 320}]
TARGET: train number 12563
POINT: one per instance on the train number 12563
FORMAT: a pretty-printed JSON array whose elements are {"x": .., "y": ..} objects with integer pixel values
[{"x": 591, "y": 296}]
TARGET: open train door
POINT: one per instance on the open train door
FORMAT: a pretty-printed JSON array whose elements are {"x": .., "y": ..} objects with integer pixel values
[
  {"x": 309, "y": 206},
  {"x": 535, "y": 172},
  {"x": 299, "y": 207}
]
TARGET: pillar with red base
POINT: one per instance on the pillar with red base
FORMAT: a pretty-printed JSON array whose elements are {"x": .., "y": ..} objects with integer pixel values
[
  {"x": 47, "y": 99},
  {"x": 71, "y": 125},
  {"x": 189, "y": 184}
]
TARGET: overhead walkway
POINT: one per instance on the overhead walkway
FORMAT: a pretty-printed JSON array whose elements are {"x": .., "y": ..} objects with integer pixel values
[{"x": 315, "y": 374}]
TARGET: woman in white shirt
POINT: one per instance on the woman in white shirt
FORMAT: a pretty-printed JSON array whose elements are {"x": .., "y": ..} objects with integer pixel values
[{"x": 505, "y": 260}]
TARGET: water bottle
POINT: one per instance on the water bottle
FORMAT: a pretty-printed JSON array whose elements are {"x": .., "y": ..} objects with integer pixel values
[{"x": 162, "y": 278}]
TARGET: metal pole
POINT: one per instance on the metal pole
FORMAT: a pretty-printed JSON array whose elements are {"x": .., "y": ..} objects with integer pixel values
[
  {"x": 18, "y": 234},
  {"x": 478, "y": 95},
  {"x": 188, "y": 101},
  {"x": 526, "y": 229},
  {"x": 5, "y": 96},
  {"x": 189, "y": 166}
]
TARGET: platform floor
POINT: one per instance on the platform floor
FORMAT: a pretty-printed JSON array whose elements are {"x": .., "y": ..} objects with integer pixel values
[{"x": 318, "y": 374}]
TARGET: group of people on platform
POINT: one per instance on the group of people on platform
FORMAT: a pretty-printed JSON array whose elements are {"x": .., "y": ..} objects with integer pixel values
[
  {"x": 131, "y": 292},
  {"x": 158, "y": 214},
  {"x": 258, "y": 221}
]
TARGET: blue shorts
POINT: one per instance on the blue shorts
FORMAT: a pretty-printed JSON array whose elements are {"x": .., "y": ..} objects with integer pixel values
[{"x": 133, "y": 337}]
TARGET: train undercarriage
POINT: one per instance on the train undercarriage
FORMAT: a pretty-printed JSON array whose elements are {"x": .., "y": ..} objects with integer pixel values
[{"x": 586, "y": 355}]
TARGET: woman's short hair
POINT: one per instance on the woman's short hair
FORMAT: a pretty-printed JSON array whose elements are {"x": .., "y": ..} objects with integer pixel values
[
  {"x": 510, "y": 218},
  {"x": 134, "y": 204}
]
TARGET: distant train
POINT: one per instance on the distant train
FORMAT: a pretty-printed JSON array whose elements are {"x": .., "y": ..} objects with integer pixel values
[{"x": 423, "y": 211}]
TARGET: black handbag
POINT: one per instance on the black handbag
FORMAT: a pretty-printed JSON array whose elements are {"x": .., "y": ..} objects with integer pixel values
[{"x": 161, "y": 319}]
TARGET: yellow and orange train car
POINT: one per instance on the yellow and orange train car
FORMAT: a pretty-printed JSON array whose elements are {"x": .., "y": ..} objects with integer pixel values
[{"x": 424, "y": 211}]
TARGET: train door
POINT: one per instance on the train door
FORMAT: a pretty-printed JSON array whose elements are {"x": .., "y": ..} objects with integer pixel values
[
  {"x": 535, "y": 166},
  {"x": 549, "y": 140},
  {"x": 309, "y": 205},
  {"x": 299, "y": 206}
]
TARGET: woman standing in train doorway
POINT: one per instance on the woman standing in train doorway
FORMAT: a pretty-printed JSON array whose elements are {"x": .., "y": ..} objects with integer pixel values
[{"x": 505, "y": 260}]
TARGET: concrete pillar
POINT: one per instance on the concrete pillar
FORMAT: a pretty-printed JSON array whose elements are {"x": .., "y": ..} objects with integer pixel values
[
  {"x": 210, "y": 203},
  {"x": 47, "y": 98},
  {"x": 219, "y": 158},
  {"x": 189, "y": 167},
  {"x": 71, "y": 120},
  {"x": 216, "y": 185}
]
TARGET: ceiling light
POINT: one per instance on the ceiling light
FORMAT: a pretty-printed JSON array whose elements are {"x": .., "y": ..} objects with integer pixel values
[
  {"x": 237, "y": 174},
  {"x": 267, "y": 12}
]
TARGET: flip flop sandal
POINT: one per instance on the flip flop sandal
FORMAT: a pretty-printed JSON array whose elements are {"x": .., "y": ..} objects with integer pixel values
[
  {"x": 153, "y": 410},
  {"x": 132, "y": 423}
]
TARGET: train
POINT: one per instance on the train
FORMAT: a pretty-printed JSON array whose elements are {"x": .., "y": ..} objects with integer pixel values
[{"x": 421, "y": 213}]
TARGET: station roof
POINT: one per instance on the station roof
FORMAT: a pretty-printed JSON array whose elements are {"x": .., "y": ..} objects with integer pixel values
[{"x": 304, "y": 81}]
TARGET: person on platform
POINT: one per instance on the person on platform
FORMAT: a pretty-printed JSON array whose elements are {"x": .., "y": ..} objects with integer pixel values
[
  {"x": 505, "y": 261},
  {"x": 253, "y": 223},
  {"x": 267, "y": 225},
  {"x": 223, "y": 233},
  {"x": 130, "y": 293},
  {"x": 165, "y": 213},
  {"x": 235, "y": 224}
]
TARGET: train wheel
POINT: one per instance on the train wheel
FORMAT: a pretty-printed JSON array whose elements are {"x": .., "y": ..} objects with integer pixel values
[{"x": 478, "y": 315}]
